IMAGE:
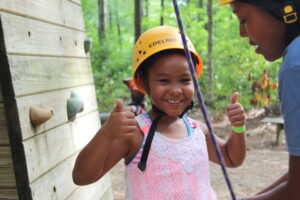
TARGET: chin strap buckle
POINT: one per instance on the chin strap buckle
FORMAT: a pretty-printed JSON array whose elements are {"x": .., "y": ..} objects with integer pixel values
[{"x": 289, "y": 13}]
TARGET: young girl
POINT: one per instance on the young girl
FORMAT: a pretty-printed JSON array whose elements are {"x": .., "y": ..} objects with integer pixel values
[
  {"x": 273, "y": 26},
  {"x": 165, "y": 152}
]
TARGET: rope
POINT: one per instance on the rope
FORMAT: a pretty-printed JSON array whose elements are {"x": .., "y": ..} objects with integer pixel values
[{"x": 199, "y": 96}]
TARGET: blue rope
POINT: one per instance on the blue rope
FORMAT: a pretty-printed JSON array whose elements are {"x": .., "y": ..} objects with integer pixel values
[{"x": 202, "y": 104}]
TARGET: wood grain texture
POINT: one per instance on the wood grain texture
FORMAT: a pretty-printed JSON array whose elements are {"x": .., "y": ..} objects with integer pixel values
[
  {"x": 9, "y": 194},
  {"x": 101, "y": 188},
  {"x": 78, "y": 2},
  {"x": 27, "y": 36},
  {"x": 51, "y": 148},
  {"x": 1, "y": 97},
  {"x": 32, "y": 75},
  {"x": 58, "y": 184},
  {"x": 3, "y": 127},
  {"x": 7, "y": 175},
  {"x": 63, "y": 13},
  {"x": 58, "y": 101}
]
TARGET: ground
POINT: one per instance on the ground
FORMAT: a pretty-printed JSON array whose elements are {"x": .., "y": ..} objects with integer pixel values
[{"x": 264, "y": 162}]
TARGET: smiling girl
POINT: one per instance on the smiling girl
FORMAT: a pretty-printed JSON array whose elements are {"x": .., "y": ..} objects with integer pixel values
[{"x": 165, "y": 152}]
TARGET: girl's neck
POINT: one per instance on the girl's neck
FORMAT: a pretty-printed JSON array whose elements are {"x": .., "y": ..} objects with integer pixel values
[
  {"x": 165, "y": 118},
  {"x": 170, "y": 126}
]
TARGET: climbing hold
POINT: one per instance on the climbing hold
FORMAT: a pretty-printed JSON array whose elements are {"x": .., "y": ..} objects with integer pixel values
[
  {"x": 74, "y": 106},
  {"x": 87, "y": 45},
  {"x": 39, "y": 114}
]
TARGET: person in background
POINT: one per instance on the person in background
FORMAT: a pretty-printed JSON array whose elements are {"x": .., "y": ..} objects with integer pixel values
[
  {"x": 273, "y": 27},
  {"x": 137, "y": 98}
]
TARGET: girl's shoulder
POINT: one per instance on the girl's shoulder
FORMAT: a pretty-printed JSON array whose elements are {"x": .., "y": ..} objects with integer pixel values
[
  {"x": 192, "y": 122},
  {"x": 144, "y": 122}
]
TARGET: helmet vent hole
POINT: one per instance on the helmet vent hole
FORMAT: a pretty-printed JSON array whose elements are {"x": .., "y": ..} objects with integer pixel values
[
  {"x": 140, "y": 51},
  {"x": 144, "y": 52},
  {"x": 137, "y": 60}
]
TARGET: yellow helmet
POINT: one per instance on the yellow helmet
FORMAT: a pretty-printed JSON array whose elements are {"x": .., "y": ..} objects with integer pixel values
[
  {"x": 156, "y": 40},
  {"x": 224, "y": 2}
]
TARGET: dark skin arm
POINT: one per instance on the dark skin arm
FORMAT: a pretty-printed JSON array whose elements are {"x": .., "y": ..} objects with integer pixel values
[
  {"x": 234, "y": 149},
  {"x": 289, "y": 189},
  {"x": 118, "y": 138}
]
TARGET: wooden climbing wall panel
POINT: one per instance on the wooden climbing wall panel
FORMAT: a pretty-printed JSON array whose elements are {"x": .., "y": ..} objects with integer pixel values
[
  {"x": 8, "y": 189},
  {"x": 44, "y": 62}
]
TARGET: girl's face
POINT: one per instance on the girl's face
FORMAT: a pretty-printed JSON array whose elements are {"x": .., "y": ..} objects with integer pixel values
[
  {"x": 171, "y": 88},
  {"x": 262, "y": 29}
]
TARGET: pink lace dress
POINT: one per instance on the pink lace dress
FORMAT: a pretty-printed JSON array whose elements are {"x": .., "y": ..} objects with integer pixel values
[{"x": 177, "y": 169}]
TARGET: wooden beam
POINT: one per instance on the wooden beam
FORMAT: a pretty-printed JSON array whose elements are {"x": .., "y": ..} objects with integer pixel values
[
  {"x": 58, "y": 101},
  {"x": 62, "y": 13},
  {"x": 78, "y": 2},
  {"x": 8, "y": 194},
  {"x": 25, "y": 36},
  {"x": 3, "y": 127},
  {"x": 58, "y": 183},
  {"x": 101, "y": 188},
  {"x": 7, "y": 175},
  {"x": 49, "y": 149},
  {"x": 31, "y": 75},
  {"x": 1, "y": 98}
]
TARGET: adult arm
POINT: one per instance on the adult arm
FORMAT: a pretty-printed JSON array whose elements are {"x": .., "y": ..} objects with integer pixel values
[{"x": 289, "y": 189}]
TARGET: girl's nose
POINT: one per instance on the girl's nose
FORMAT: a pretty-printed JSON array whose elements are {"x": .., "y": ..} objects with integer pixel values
[{"x": 176, "y": 90}]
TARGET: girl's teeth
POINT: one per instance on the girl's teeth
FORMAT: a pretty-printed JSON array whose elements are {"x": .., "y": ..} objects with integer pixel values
[{"x": 173, "y": 101}]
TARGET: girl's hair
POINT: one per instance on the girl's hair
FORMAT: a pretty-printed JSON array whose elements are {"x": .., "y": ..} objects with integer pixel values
[{"x": 146, "y": 65}]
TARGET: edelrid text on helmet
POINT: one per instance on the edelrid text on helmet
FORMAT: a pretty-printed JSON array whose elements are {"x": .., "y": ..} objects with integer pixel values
[{"x": 156, "y": 40}]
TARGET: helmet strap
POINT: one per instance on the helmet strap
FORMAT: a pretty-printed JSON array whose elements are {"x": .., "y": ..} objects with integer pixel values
[{"x": 143, "y": 162}]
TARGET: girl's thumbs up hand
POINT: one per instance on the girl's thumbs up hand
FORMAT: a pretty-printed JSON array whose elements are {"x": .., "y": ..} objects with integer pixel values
[
  {"x": 121, "y": 123},
  {"x": 235, "y": 112}
]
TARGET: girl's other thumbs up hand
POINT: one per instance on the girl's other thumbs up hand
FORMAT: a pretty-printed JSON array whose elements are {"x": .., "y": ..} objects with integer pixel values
[
  {"x": 235, "y": 112},
  {"x": 121, "y": 123},
  {"x": 234, "y": 97}
]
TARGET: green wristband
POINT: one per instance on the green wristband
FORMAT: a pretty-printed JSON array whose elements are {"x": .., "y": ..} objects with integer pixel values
[{"x": 240, "y": 129}]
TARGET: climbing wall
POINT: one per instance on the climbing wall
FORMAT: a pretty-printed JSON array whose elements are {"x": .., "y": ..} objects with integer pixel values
[{"x": 44, "y": 67}]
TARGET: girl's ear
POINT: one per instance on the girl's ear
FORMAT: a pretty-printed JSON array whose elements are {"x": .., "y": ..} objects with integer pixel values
[{"x": 145, "y": 86}]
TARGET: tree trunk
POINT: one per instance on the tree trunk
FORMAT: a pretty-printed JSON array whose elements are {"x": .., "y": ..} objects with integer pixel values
[
  {"x": 137, "y": 18},
  {"x": 110, "y": 16},
  {"x": 162, "y": 2},
  {"x": 146, "y": 14},
  {"x": 118, "y": 25},
  {"x": 210, "y": 50},
  {"x": 101, "y": 28},
  {"x": 200, "y": 4}
]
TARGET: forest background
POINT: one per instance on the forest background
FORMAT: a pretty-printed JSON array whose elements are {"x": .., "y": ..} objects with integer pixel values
[{"x": 230, "y": 63}]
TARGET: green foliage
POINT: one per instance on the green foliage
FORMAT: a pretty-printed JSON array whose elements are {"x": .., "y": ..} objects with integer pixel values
[{"x": 233, "y": 58}]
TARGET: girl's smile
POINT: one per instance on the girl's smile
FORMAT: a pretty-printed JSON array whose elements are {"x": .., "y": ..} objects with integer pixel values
[{"x": 170, "y": 84}]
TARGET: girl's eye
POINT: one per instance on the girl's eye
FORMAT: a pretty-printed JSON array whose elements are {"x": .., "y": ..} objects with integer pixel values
[
  {"x": 163, "y": 80},
  {"x": 185, "y": 80}
]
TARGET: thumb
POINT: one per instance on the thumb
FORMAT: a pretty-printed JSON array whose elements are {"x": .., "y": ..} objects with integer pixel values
[
  {"x": 234, "y": 97},
  {"x": 120, "y": 105}
]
